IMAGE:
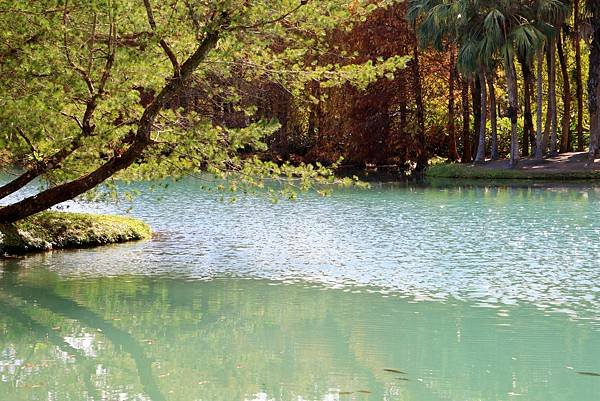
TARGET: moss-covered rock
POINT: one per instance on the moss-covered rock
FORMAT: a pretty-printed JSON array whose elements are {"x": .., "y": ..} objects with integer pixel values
[{"x": 57, "y": 230}]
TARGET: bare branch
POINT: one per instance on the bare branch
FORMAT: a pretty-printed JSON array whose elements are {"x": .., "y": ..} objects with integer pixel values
[
  {"x": 269, "y": 22},
  {"x": 74, "y": 118},
  {"x": 110, "y": 59},
  {"x": 92, "y": 43},
  {"x": 28, "y": 141},
  {"x": 163, "y": 43},
  {"x": 78, "y": 69},
  {"x": 28, "y": 12},
  {"x": 193, "y": 16}
]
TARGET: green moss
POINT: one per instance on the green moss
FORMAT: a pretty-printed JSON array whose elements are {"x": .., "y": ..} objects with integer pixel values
[
  {"x": 56, "y": 230},
  {"x": 469, "y": 171}
]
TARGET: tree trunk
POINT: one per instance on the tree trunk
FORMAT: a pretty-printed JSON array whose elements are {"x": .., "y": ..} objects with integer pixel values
[
  {"x": 312, "y": 129},
  {"x": 476, "y": 95},
  {"x": 466, "y": 119},
  {"x": 480, "y": 157},
  {"x": 594, "y": 83},
  {"x": 511, "y": 81},
  {"x": 493, "y": 116},
  {"x": 452, "y": 152},
  {"x": 578, "y": 76},
  {"x": 539, "y": 140},
  {"x": 527, "y": 114},
  {"x": 565, "y": 136},
  {"x": 141, "y": 141},
  {"x": 422, "y": 158},
  {"x": 552, "y": 97}
]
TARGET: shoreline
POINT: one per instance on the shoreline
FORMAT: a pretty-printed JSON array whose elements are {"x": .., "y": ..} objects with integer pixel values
[{"x": 563, "y": 167}]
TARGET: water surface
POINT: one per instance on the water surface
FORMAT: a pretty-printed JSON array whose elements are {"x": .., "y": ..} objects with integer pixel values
[{"x": 473, "y": 293}]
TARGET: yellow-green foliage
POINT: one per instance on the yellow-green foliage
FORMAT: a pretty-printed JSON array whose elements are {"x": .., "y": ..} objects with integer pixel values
[
  {"x": 55, "y": 230},
  {"x": 456, "y": 170}
]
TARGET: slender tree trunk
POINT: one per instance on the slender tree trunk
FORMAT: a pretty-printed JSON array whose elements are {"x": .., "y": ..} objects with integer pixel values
[
  {"x": 527, "y": 115},
  {"x": 422, "y": 158},
  {"x": 476, "y": 95},
  {"x": 312, "y": 130},
  {"x": 513, "y": 99},
  {"x": 480, "y": 157},
  {"x": 493, "y": 116},
  {"x": 565, "y": 136},
  {"x": 466, "y": 120},
  {"x": 578, "y": 75},
  {"x": 141, "y": 141},
  {"x": 532, "y": 139},
  {"x": 452, "y": 151},
  {"x": 539, "y": 145},
  {"x": 552, "y": 97},
  {"x": 594, "y": 83}
]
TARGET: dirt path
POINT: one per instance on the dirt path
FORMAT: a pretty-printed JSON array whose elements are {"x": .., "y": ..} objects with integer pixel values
[{"x": 565, "y": 162}]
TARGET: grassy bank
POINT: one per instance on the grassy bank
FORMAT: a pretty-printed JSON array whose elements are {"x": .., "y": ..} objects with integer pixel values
[
  {"x": 469, "y": 171},
  {"x": 59, "y": 230}
]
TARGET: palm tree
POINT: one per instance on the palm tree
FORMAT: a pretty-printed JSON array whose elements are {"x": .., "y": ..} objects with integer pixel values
[
  {"x": 539, "y": 139},
  {"x": 548, "y": 17},
  {"x": 493, "y": 116},
  {"x": 466, "y": 120},
  {"x": 594, "y": 79},
  {"x": 483, "y": 30},
  {"x": 528, "y": 117},
  {"x": 470, "y": 64},
  {"x": 452, "y": 151},
  {"x": 578, "y": 73},
  {"x": 510, "y": 31},
  {"x": 552, "y": 96},
  {"x": 565, "y": 137}
]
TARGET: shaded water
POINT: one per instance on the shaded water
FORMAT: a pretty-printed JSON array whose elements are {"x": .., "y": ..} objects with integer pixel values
[{"x": 475, "y": 293}]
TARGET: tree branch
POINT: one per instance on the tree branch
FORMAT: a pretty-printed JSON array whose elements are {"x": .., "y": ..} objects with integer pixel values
[
  {"x": 141, "y": 141},
  {"x": 163, "y": 43}
]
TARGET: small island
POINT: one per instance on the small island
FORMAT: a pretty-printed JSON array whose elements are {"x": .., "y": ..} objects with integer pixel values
[{"x": 61, "y": 230}]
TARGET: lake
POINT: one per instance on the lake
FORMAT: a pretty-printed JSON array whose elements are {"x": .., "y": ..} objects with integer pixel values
[{"x": 399, "y": 292}]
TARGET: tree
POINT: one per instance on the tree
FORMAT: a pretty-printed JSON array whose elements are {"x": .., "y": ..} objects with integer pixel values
[
  {"x": 527, "y": 113},
  {"x": 74, "y": 73},
  {"x": 552, "y": 117},
  {"x": 565, "y": 137},
  {"x": 539, "y": 139},
  {"x": 422, "y": 158},
  {"x": 578, "y": 73},
  {"x": 594, "y": 79},
  {"x": 466, "y": 121},
  {"x": 452, "y": 151},
  {"x": 493, "y": 117},
  {"x": 480, "y": 156}
]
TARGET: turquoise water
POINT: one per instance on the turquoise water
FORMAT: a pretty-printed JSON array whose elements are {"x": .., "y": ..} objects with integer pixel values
[{"x": 472, "y": 292}]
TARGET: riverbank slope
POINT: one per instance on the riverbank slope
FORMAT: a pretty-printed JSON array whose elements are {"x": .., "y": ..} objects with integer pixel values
[{"x": 60, "y": 230}]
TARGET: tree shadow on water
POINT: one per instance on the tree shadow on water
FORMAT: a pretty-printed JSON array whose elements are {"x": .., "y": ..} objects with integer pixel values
[{"x": 46, "y": 298}]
